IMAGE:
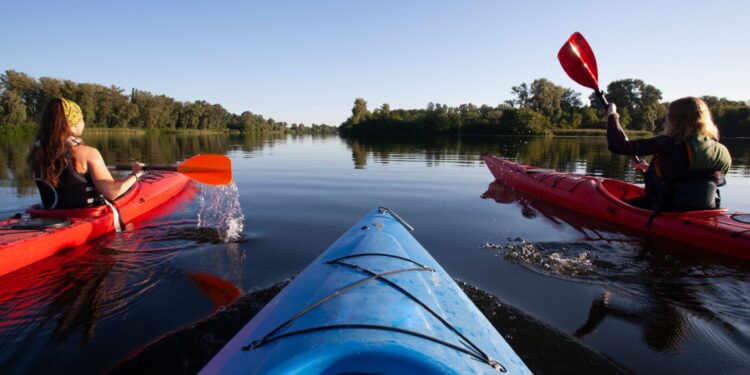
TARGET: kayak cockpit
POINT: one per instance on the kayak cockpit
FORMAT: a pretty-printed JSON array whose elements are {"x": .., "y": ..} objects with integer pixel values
[
  {"x": 634, "y": 197},
  {"x": 623, "y": 191}
]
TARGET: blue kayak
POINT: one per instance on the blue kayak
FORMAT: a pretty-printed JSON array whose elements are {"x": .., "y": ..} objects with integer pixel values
[{"x": 374, "y": 302}]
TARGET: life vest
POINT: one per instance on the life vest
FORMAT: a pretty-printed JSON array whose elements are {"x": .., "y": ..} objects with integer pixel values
[
  {"x": 74, "y": 190},
  {"x": 708, "y": 160}
]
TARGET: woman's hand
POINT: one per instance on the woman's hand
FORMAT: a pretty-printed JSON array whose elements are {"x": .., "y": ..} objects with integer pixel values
[
  {"x": 611, "y": 109},
  {"x": 137, "y": 169},
  {"x": 640, "y": 165}
]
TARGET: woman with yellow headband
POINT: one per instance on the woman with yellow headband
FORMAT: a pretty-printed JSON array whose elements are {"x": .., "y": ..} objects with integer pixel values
[{"x": 68, "y": 173}]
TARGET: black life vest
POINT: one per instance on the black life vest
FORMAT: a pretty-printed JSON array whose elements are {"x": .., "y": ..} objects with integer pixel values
[
  {"x": 699, "y": 189},
  {"x": 74, "y": 190}
]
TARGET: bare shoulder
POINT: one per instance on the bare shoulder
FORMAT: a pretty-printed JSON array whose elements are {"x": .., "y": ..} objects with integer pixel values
[
  {"x": 88, "y": 153},
  {"x": 91, "y": 151}
]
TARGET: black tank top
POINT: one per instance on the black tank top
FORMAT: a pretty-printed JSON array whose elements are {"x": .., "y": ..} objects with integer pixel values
[{"x": 74, "y": 190}]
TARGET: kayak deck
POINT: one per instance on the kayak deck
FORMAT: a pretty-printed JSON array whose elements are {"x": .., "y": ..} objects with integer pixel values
[{"x": 374, "y": 302}]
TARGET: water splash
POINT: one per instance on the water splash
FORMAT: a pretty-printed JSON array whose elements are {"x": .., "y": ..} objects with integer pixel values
[
  {"x": 563, "y": 260},
  {"x": 220, "y": 209}
]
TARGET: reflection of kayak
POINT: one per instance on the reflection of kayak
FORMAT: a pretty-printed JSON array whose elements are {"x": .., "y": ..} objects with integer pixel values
[
  {"x": 46, "y": 232},
  {"x": 532, "y": 206},
  {"x": 607, "y": 199},
  {"x": 374, "y": 302}
]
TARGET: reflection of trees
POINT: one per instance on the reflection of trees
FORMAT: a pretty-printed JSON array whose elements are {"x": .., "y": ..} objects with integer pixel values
[
  {"x": 13, "y": 170},
  {"x": 156, "y": 149},
  {"x": 122, "y": 148},
  {"x": 580, "y": 154},
  {"x": 252, "y": 141},
  {"x": 585, "y": 155},
  {"x": 740, "y": 155}
]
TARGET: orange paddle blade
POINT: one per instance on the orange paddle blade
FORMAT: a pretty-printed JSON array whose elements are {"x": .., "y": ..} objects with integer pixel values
[
  {"x": 209, "y": 169},
  {"x": 220, "y": 291}
]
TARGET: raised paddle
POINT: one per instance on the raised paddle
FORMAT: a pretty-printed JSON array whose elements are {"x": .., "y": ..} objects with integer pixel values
[
  {"x": 209, "y": 169},
  {"x": 578, "y": 61}
]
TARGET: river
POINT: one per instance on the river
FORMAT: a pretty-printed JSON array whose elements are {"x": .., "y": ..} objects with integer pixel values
[{"x": 642, "y": 304}]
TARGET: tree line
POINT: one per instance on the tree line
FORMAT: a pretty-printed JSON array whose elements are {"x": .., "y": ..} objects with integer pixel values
[
  {"x": 22, "y": 100},
  {"x": 540, "y": 108}
]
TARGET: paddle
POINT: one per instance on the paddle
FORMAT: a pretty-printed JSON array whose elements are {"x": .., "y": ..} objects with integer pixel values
[
  {"x": 209, "y": 169},
  {"x": 221, "y": 292},
  {"x": 578, "y": 61}
]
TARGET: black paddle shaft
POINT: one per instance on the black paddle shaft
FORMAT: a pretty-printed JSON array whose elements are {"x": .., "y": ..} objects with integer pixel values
[
  {"x": 605, "y": 104},
  {"x": 127, "y": 167},
  {"x": 602, "y": 99}
]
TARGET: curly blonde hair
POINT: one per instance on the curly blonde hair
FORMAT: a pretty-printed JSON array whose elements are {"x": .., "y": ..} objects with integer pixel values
[{"x": 690, "y": 115}]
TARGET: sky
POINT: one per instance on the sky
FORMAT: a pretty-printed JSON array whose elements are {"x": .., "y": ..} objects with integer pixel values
[{"x": 306, "y": 61}]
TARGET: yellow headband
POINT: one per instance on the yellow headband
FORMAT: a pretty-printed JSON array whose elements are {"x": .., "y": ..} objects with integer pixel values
[{"x": 72, "y": 111}]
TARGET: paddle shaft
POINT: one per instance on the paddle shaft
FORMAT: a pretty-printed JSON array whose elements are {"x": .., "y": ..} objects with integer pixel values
[
  {"x": 208, "y": 169},
  {"x": 605, "y": 104},
  {"x": 127, "y": 167}
]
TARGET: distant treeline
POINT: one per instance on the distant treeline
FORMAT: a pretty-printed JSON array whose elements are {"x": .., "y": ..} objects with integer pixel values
[
  {"x": 22, "y": 99},
  {"x": 540, "y": 108}
]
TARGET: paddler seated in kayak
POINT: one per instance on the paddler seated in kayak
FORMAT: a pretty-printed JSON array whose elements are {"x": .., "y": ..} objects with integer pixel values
[
  {"x": 68, "y": 173},
  {"x": 689, "y": 163}
]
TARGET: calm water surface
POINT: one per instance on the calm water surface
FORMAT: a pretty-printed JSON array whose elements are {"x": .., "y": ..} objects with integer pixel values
[{"x": 645, "y": 304}]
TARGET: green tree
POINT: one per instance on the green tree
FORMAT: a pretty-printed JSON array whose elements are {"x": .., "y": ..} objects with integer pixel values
[
  {"x": 50, "y": 88},
  {"x": 359, "y": 111},
  {"x": 26, "y": 87},
  {"x": 557, "y": 103},
  {"x": 636, "y": 99},
  {"x": 522, "y": 94},
  {"x": 12, "y": 109}
]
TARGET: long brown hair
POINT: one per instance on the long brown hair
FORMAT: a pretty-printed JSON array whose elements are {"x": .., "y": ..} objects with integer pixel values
[
  {"x": 50, "y": 154},
  {"x": 690, "y": 115}
]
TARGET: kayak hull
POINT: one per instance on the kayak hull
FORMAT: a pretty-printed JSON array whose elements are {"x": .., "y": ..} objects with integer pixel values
[
  {"x": 717, "y": 231},
  {"x": 22, "y": 247},
  {"x": 374, "y": 302}
]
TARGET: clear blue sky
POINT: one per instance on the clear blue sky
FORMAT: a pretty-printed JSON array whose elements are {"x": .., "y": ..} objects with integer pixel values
[{"x": 306, "y": 61}]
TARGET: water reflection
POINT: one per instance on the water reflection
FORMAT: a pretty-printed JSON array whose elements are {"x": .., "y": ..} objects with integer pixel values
[
  {"x": 297, "y": 192},
  {"x": 587, "y": 155},
  {"x": 660, "y": 292},
  {"x": 532, "y": 206},
  {"x": 122, "y": 148},
  {"x": 581, "y": 155},
  {"x": 68, "y": 297}
]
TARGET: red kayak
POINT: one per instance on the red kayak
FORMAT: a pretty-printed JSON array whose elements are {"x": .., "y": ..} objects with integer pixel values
[
  {"x": 43, "y": 233},
  {"x": 718, "y": 231}
]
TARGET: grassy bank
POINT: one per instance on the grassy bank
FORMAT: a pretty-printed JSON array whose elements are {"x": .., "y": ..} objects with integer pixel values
[{"x": 16, "y": 130}]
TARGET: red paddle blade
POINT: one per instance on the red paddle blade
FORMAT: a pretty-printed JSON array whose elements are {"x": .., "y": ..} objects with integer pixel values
[
  {"x": 220, "y": 291},
  {"x": 210, "y": 169},
  {"x": 579, "y": 62}
]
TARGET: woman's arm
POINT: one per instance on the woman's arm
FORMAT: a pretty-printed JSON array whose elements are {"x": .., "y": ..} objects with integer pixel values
[
  {"x": 617, "y": 143},
  {"x": 105, "y": 184}
]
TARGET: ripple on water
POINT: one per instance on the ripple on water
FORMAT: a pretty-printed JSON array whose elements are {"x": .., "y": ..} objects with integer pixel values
[
  {"x": 680, "y": 304},
  {"x": 70, "y": 293}
]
